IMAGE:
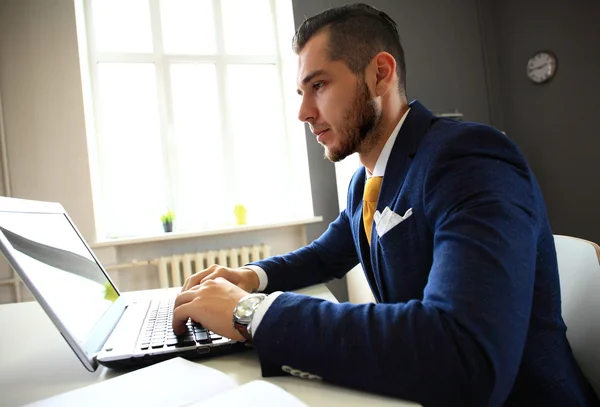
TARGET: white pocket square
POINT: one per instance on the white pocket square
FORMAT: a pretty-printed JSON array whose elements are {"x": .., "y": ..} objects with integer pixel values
[{"x": 387, "y": 219}]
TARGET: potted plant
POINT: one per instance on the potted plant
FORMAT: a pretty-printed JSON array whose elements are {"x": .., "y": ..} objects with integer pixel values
[
  {"x": 240, "y": 214},
  {"x": 167, "y": 221}
]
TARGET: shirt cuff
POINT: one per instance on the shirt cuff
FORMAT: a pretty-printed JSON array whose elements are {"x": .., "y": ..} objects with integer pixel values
[
  {"x": 261, "y": 311},
  {"x": 263, "y": 280}
]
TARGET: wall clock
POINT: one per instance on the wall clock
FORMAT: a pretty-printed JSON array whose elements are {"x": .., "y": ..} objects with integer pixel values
[{"x": 541, "y": 67}]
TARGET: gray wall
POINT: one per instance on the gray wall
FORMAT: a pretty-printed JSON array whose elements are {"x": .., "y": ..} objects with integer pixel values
[
  {"x": 42, "y": 108},
  {"x": 42, "y": 103},
  {"x": 445, "y": 70},
  {"x": 554, "y": 123}
]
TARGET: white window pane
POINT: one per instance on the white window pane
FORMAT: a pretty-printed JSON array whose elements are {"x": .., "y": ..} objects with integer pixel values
[
  {"x": 248, "y": 26},
  {"x": 188, "y": 26},
  {"x": 122, "y": 25},
  {"x": 255, "y": 114},
  {"x": 198, "y": 185},
  {"x": 130, "y": 147}
]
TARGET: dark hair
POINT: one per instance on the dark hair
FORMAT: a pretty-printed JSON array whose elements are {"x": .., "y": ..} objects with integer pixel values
[{"x": 357, "y": 32}]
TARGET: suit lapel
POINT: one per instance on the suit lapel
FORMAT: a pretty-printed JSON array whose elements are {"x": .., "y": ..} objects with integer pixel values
[{"x": 415, "y": 125}]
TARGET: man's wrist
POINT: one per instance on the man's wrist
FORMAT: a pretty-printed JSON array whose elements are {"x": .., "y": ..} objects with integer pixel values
[
  {"x": 263, "y": 280},
  {"x": 252, "y": 280}
]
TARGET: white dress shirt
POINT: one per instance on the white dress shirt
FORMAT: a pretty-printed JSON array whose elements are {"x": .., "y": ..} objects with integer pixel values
[{"x": 378, "y": 171}]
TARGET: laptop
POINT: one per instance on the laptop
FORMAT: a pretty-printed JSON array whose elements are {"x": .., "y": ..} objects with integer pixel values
[{"x": 102, "y": 326}]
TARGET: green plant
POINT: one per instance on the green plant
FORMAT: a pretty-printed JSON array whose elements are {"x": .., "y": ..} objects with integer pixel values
[{"x": 167, "y": 217}]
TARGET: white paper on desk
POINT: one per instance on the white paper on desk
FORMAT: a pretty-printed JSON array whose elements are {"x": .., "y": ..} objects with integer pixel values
[
  {"x": 175, "y": 382},
  {"x": 255, "y": 393}
]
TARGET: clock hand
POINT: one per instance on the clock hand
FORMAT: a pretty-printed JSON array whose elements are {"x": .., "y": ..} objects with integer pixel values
[{"x": 535, "y": 68}]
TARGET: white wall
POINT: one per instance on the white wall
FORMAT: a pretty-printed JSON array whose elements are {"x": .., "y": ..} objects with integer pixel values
[
  {"x": 42, "y": 110},
  {"x": 45, "y": 129},
  {"x": 42, "y": 103}
]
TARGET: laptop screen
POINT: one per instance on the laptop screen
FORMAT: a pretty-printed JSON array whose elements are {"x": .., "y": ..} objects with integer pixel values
[{"x": 61, "y": 268}]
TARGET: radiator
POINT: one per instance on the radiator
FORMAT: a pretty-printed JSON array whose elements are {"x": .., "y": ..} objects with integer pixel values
[{"x": 174, "y": 270}]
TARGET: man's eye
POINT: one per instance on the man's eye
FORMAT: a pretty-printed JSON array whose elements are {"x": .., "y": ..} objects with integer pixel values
[{"x": 317, "y": 85}]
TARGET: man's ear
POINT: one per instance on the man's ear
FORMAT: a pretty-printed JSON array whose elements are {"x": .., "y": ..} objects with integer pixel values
[{"x": 385, "y": 70}]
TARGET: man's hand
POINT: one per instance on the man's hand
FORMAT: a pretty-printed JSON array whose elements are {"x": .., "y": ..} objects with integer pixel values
[
  {"x": 244, "y": 278},
  {"x": 210, "y": 304}
]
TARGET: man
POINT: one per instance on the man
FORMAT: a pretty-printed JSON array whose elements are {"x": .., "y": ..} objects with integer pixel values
[{"x": 460, "y": 255}]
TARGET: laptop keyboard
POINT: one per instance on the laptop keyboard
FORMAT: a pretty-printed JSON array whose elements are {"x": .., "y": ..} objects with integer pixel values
[{"x": 158, "y": 332}]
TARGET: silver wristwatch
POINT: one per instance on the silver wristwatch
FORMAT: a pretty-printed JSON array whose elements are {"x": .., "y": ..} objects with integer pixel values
[{"x": 244, "y": 311}]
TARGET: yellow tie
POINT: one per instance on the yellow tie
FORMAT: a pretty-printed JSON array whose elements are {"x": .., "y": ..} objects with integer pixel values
[{"x": 372, "y": 187}]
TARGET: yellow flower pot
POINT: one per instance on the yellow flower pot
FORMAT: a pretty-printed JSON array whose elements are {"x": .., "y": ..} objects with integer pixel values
[{"x": 240, "y": 214}]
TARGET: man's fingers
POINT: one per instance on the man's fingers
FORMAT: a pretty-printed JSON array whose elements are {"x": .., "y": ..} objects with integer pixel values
[
  {"x": 188, "y": 283},
  {"x": 186, "y": 296},
  {"x": 219, "y": 273},
  {"x": 211, "y": 276},
  {"x": 180, "y": 317},
  {"x": 196, "y": 278}
]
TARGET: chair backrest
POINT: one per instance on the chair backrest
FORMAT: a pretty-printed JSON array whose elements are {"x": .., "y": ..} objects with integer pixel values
[{"x": 579, "y": 272}]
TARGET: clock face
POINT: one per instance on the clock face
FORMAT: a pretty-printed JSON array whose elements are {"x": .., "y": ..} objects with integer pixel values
[{"x": 541, "y": 67}]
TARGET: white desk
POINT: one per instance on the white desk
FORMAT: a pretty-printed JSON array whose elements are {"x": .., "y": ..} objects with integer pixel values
[{"x": 36, "y": 362}]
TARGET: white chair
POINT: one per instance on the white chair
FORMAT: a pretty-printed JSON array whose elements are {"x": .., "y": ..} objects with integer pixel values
[
  {"x": 359, "y": 291},
  {"x": 579, "y": 272}
]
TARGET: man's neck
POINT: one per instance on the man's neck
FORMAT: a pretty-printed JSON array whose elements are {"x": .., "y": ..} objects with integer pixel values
[{"x": 388, "y": 122}]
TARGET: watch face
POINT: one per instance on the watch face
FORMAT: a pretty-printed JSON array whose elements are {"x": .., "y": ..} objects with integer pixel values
[
  {"x": 244, "y": 310},
  {"x": 541, "y": 67}
]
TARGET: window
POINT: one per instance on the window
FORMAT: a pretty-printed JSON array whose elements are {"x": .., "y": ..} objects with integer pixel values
[{"x": 194, "y": 111}]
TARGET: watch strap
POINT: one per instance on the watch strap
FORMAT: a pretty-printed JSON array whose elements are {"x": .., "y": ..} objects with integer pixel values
[{"x": 243, "y": 329}]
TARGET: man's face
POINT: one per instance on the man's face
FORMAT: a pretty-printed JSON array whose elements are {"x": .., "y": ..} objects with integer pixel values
[{"x": 335, "y": 102}]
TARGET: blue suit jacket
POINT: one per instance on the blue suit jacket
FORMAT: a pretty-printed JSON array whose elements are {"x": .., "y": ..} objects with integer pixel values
[{"x": 468, "y": 300}]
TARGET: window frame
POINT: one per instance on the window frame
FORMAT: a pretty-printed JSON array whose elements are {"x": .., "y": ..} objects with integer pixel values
[{"x": 221, "y": 60}]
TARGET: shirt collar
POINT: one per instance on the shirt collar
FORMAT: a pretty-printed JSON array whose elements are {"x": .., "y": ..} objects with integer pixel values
[{"x": 384, "y": 156}]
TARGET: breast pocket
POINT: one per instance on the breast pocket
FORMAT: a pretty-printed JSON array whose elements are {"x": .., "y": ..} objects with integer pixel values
[
  {"x": 404, "y": 260},
  {"x": 404, "y": 232}
]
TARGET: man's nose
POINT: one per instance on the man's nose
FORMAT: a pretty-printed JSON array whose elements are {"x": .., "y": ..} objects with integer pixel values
[{"x": 307, "y": 111}]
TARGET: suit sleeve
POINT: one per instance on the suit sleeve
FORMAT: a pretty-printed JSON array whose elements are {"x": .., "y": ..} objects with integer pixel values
[
  {"x": 330, "y": 256},
  {"x": 462, "y": 343}
]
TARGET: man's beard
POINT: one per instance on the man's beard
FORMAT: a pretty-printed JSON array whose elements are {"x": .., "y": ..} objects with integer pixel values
[{"x": 361, "y": 121}]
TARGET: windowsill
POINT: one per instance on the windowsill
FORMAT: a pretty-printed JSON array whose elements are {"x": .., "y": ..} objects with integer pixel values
[{"x": 212, "y": 232}]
